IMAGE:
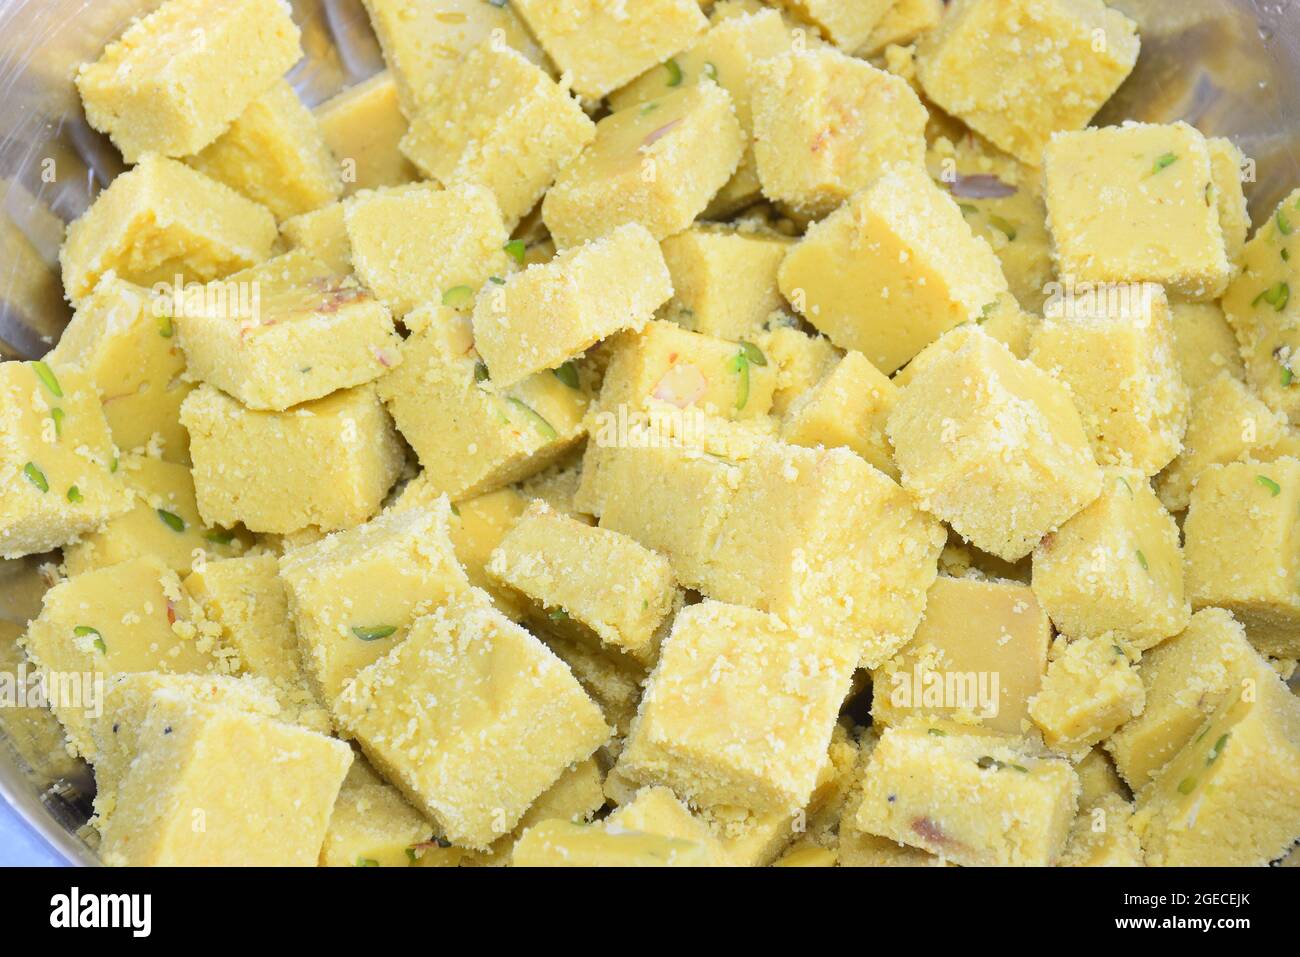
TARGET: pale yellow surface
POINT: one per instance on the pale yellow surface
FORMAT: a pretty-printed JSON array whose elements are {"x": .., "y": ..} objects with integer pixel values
[
  {"x": 363, "y": 125},
  {"x": 1090, "y": 689}
]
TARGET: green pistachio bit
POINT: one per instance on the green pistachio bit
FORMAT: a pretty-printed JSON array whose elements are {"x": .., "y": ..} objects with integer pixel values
[
  {"x": 1021, "y": 768},
  {"x": 986, "y": 310},
  {"x": 987, "y": 762},
  {"x": 1124, "y": 482},
  {"x": 740, "y": 365},
  {"x": 112, "y": 466},
  {"x": 1164, "y": 162},
  {"x": 753, "y": 353},
  {"x": 649, "y": 108},
  {"x": 165, "y": 327},
  {"x": 410, "y": 855},
  {"x": 100, "y": 646},
  {"x": 1142, "y": 560},
  {"x": 454, "y": 510},
  {"x": 967, "y": 209},
  {"x": 36, "y": 476},
  {"x": 219, "y": 536},
  {"x": 57, "y": 415},
  {"x": 674, "y": 73},
  {"x": 711, "y": 71},
  {"x": 1276, "y": 295},
  {"x": 1287, "y": 376},
  {"x": 938, "y": 732},
  {"x": 367, "y": 862},
  {"x": 1187, "y": 785},
  {"x": 457, "y": 296},
  {"x": 1273, "y": 488},
  {"x": 480, "y": 371},
  {"x": 46, "y": 375},
  {"x": 557, "y": 614},
  {"x": 1117, "y": 649},
  {"x": 1286, "y": 254},
  {"x": 516, "y": 249},
  {"x": 1283, "y": 224},
  {"x": 74, "y": 494},
  {"x": 496, "y": 280},
  {"x": 568, "y": 374},
  {"x": 1003, "y": 226},
  {"x": 545, "y": 428},
  {"x": 1216, "y": 750},
  {"x": 374, "y": 633},
  {"x": 82, "y": 630},
  {"x": 171, "y": 520}
]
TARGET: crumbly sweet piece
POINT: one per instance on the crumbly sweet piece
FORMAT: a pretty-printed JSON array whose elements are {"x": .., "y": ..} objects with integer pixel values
[
  {"x": 372, "y": 825},
  {"x": 362, "y": 126},
  {"x": 354, "y": 595},
  {"x": 979, "y": 655},
  {"x": 903, "y": 22},
  {"x": 1226, "y": 165},
  {"x": 848, "y": 407},
  {"x": 498, "y": 121},
  {"x": 549, "y": 313},
  {"x": 1018, "y": 71},
  {"x": 827, "y": 125},
  {"x": 1115, "y": 568},
  {"x": 56, "y": 457},
  {"x": 994, "y": 446},
  {"x": 1204, "y": 344},
  {"x": 472, "y": 717},
  {"x": 286, "y": 332},
  {"x": 275, "y": 155},
  {"x": 327, "y": 463},
  {"x": 1090, "y": 689},
  {"x": 1102, "y": 836},
  {"x": 175, "y": 79},
  {"x": 602, "y": 46},
  {"x": 613, "y": 681},
  {"x": 656, "y": 810},
  {"x": 801, "y": 361},
  {"x": 417, "y": 244},
  {"x": 565, "y": 844},
  {"x": 724, "y": 280},
  {"x": 125, "y": 340},
  {"x": 1110, "y": 190},
  {"x": 658, "y": 164},
  {"x": 846, "y": 23},
  {"x": 322, "y": 234},
  {"x": 891, "y": 270},
  {"x": 160, "y": 220},
  {"x": 1243, "y": 549}
]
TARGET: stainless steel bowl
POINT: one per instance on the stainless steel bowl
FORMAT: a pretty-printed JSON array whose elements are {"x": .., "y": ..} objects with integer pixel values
[{"x": 1230, "y": 67}]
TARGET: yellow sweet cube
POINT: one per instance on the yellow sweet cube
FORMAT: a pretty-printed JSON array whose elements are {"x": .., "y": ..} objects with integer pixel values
[
  {"x": 353, "y": 595},
  {"x": 1135, "y": 203},
  {"x": 175, "y": 79},
  {"x": 601, "y": 45},
  {"x": 892, "y": 270},
  {"x": 1017, "y": 71},
  {"x": 262, "y": 790},
  {"x": 901, "y": 23},
  {"x": 286, "y": 332},
  {"x": 275, "y": 155},
  {"x": 993, "y": 445},
  {"x": 846, "y": 23},
  {"x": 979, "y": 654},
  {"x": 657, "y": 163},
  {"x": 1115, "y": 568},
  {"x": 592, "y": 583},
  {"x": 565, "y": 844},
  {"x": 372, "y": 825},
  {"x": 549, "y": 313},
  {"x": 1102, "y": 836},
  {"x": 473, "y": 718},
  {"x": 1226, "y": 165},
  {"x": 327, "y": 463},
  {"x": 322, "y": 234},
  {"x": 420, "y": 244},
  {"x": 574, "y": 798},
  {"x": 1243, "y": 549},
  {"x": 848, "y": 407},
  {"x": 739, "y": 709},
  {"x": 1090, "y": 689},
  {"x": 57, "y": 458},
  {"x": 801, "y": 361},
  {"x": 161, "y": 220},
  {"x": 614, "y": 684},
  {"x": 978, "y": 800},
  {"x": 363, "y": 125},
  {"x": 498, "y": 121},
  {"x": 1204, "y": 344},
  {"x": 827, "y": 125},
  {"x": 656, "y": 810},
  {"x": 724, "y": 280}
]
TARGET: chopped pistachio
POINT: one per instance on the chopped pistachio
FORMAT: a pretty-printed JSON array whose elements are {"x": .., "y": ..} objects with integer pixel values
[
  {"x": 1268, "y": 483},
  {"x": 480, "y": 371},
  {"x": 367, "y": 862},
  {"x": 1275, "y": 295},
  {"x": 171, "y": 520},
  {"x": 674, "y": 73},
  {"x": 938, "y": 732},
  {"x": 410, "y": 855},
  {"x": 545, "y": 428},
  {"x": 557, "y": 614},
  {"x": 710, "y": 71},
  {"x": 1187, "y": 785},
  {"x": 1164, "y": 161},
  {"x": 1283, "y": 224},
  {"x": 373, "y": 633},
  {"x": 46, "y": 375},
  {"x": 457, "y": 296},
  {"x": 1217, "y": 749},
  {"x": 568, "y": 374},
  {"x": 36, "y": 476},
  {"x": 1003, "y": 226},
  {"x": 1142, "y": 560},
  {"x": 74, "y": 494},
  {"x": 57, "y": 415},
  {"x": 740, "y": 365},
  {"x": 753, "y": 353},
  {"x": 165, "y": 327},
  {"x": 517, "y": 249},
  {"x": 219, "y": 536}
]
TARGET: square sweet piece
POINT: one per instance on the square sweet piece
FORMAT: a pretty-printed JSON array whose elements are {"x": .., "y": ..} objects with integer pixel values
[
  {"x": 903, "y": 22},
  {"x": 123, "y": 618},
  {"x": 1185, "y": 680},
  {"x": 1018, "y": 71},
  {"x": 827, "y": 125},
  {"x": 987, "y": 640},
  {"x": 1102, "y": 836},
  {"x": 124, "y": 339},
  {"x": 1115, "y": 568},
  {"x": 1243, "y": 549},
  {"x": 372, "y": 825},
  {"x": 602, "y": 45},
  {"x": 263, "y": 790},
  {"x": 550, "y": 313},
  {"x": 1135, "y": 203},
  {"x": 498, "y": 121},
  {"x": 353, "y": 595},
  {"x": 1262, "y": 311},
  {"x": 656, "y": 810},
  {"x": 163, "y": 522},
  {"x": 665, "y": 363},
  {"x": 423, "y": 40},
  {"x": 724, "y": 280},
  {"x": 1204, "y": 343},
  {"x": 801, "y": 361},
  {"x": 362, "y": 126},
  {"x": 327, "y": 463},
  {"x": 846, "y": 23},
  {"x": 590, "y": 583},
  {"x": 566, "y": 844},
  {"x": 473, "y": 718},
  {"x": 57, "y": 459},
  {"x": 286, "y": 332},
  {"x": 615, "y": 685},
  {"x": 657, "y": 163},
  {"x": 993, "y": 445},
  {"x": 322, "y": 234},
  {"x": 848, "y": 408},
  {"x": 739, "y": 710},
  {"x": 175, "y": 79},
  {"x": 418, "y": 244},
  {"x": 892, "y": 270},
  {"x": 574, "y": 798},
  {"x": 1227, "y": 163},
  {"x": 1231, "y": 797},
  {"x": 471, "y": 435},
  {"x": 825, "y": 541},
  {"x": 978, "y": 800},
  {"x": 1118, "y": 360},
  {"x": 1090, "y": 689},
  {"x": 160, "y": 220}
]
